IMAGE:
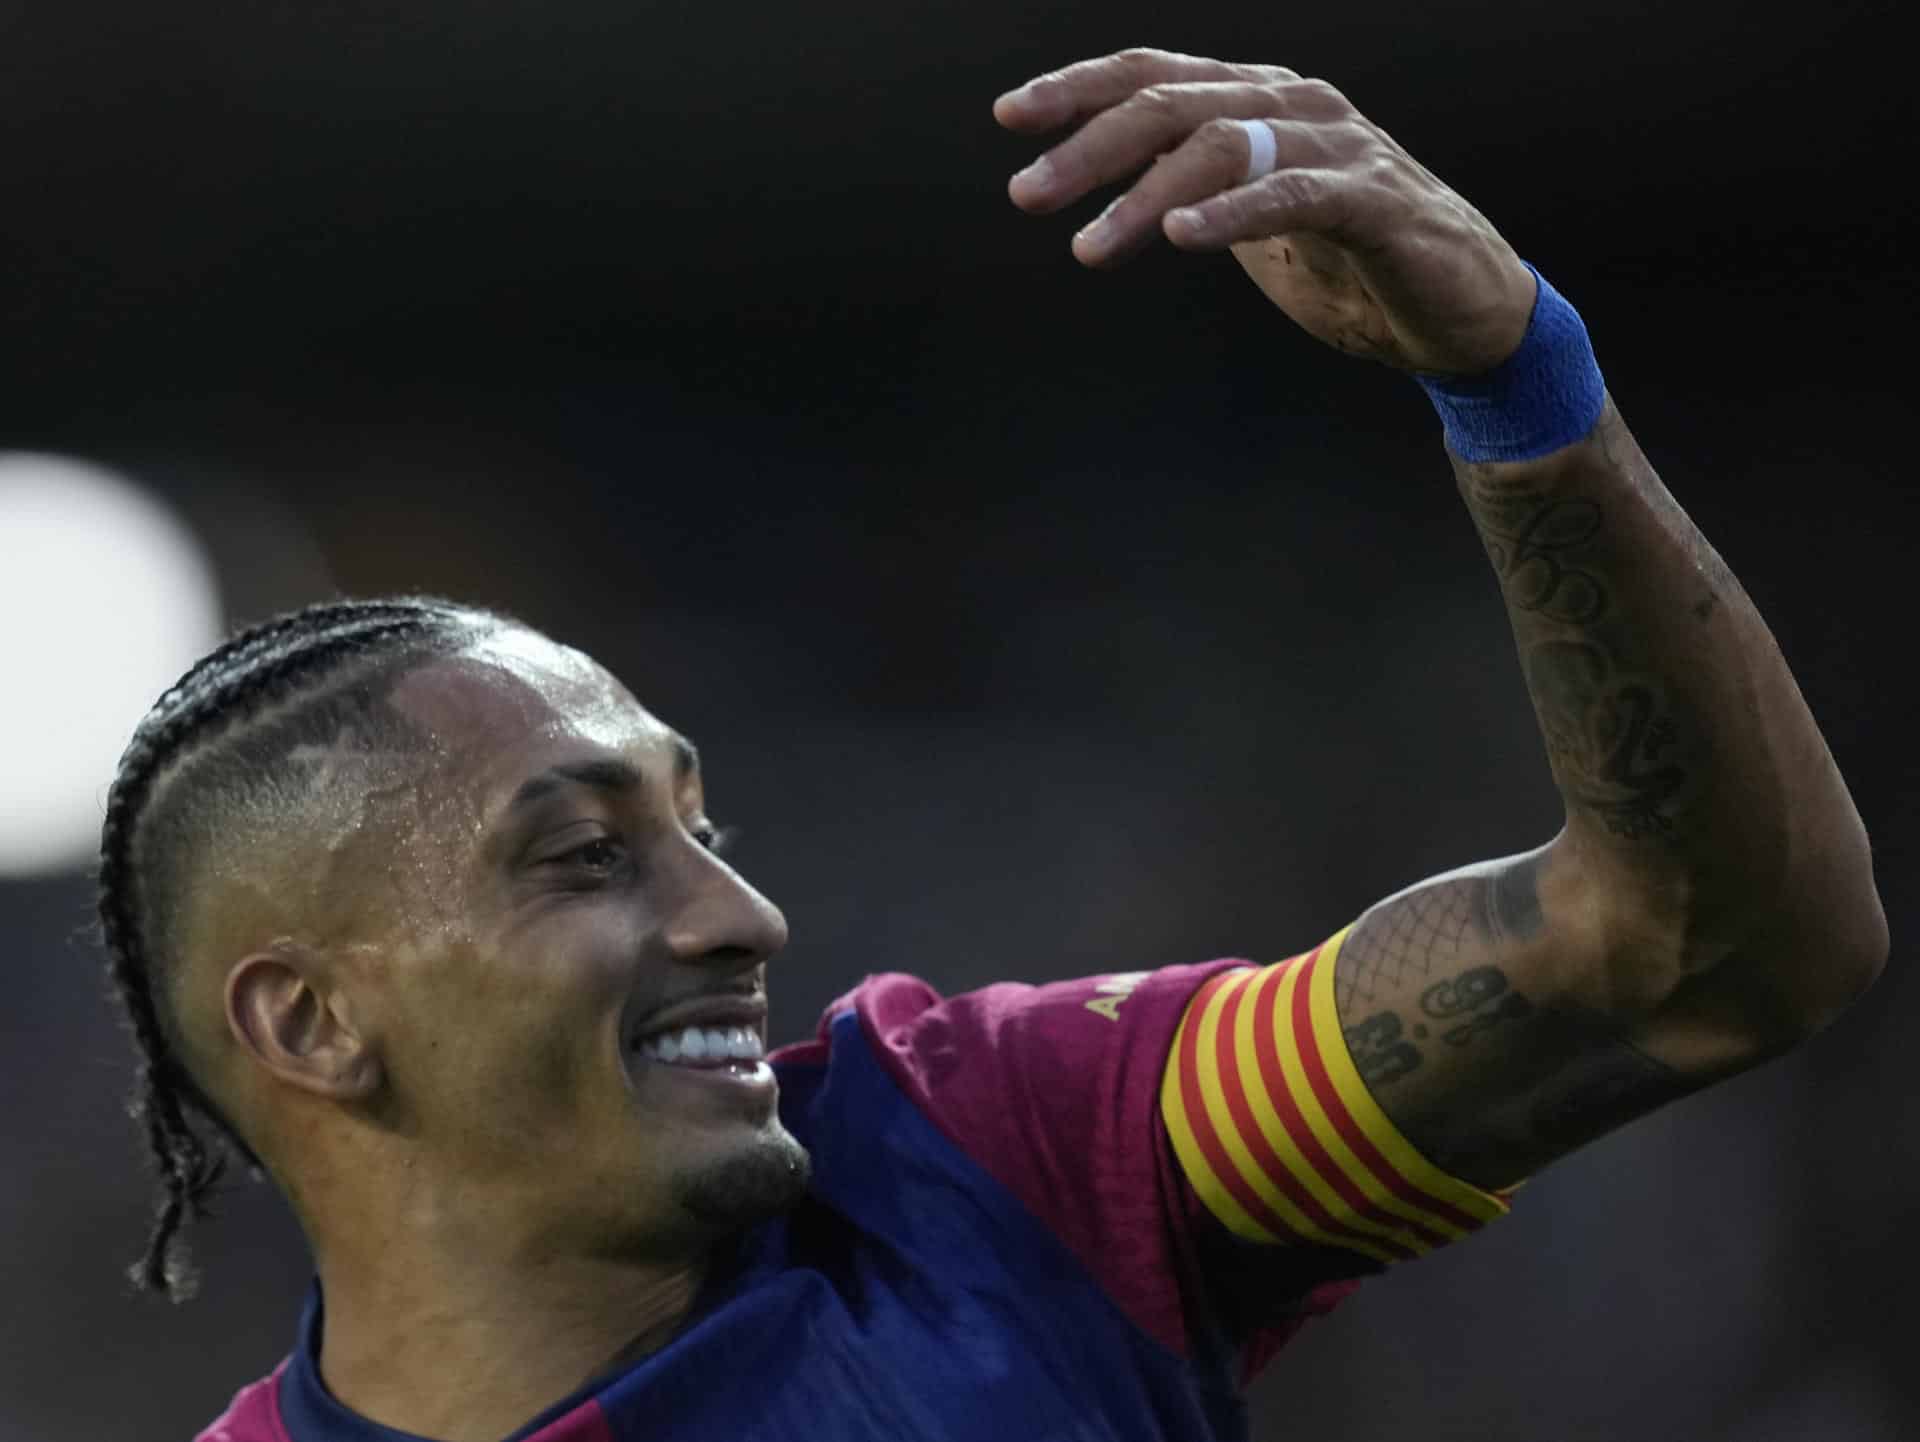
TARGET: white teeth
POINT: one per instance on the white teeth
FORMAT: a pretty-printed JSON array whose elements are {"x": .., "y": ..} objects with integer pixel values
[{"x": 705, "y": 1044}]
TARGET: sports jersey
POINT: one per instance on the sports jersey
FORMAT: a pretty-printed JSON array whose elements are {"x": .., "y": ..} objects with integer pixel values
[{"x": 1001, "y": 1238}]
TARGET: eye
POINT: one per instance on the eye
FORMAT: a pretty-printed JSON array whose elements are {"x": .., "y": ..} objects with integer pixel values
[
  {"x": 716, "y": 839},
  {"x": 601, "y": 854}
]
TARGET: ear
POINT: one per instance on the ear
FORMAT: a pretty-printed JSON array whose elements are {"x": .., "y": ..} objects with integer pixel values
[{"x": 298, "y": 1029}]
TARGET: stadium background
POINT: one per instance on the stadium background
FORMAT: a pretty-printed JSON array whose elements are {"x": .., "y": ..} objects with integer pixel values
[{"x": 1033, "y": 622}]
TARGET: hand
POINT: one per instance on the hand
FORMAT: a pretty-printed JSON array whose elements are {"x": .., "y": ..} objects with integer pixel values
[{"x": 1349, "y": 235}]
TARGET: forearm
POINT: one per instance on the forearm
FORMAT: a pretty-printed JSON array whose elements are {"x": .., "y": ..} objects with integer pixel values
[{"x": 1704, "y": 813}]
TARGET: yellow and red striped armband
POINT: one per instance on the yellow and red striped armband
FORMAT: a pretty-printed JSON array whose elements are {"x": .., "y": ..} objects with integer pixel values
[{"x": 1279, "y": 1136}]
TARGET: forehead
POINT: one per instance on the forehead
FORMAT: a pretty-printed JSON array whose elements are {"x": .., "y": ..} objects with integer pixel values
[{"x": 513, "y": 702}]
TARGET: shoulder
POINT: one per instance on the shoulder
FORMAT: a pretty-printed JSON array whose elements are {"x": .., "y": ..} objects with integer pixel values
[
  {"x": 1042, "y": 1097},
  {"x": 882, "y": 1002},
  {"x": 903, "y": 1016},
  {"x": 252, "y": 1416},
  {"x": 990, "y": 1064}
]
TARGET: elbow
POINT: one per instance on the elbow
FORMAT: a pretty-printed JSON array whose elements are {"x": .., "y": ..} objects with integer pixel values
[
  {"x": 1762, "y": 979},
  {"x": 1857, "y": 964},
  {"x": 1800, "y": 975},
  {"x": 1844, "y": 927},
  {"x": 1828, "y": 914},
  {"x": 1762, "y": 965},
  {"x": 1816, "y": 939}
]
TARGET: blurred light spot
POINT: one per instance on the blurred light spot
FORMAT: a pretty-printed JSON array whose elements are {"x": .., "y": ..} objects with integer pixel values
[{"x": 105, "y": 598}]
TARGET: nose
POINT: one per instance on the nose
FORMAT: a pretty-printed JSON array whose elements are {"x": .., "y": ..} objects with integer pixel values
[{"x": 721, "y": 919}]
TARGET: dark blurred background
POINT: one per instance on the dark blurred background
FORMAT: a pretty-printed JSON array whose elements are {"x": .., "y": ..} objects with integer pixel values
[{"x": 1033, "y": 622}]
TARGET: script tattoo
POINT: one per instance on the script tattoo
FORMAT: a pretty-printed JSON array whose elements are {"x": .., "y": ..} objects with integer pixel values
[
  {"x": 1458, "y": 995},
  {"x": 1379, "y": 1051},
  {"x": 1527, "y": 540},
  {"x": 1512, "y": 1007},
  {"x": 1465, "y": 995},
  {"x": 1606, "y": 736},
  {"x": 1612, "y": 734}
]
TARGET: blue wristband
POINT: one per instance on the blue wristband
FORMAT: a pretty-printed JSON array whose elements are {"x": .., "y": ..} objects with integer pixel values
[{"x": 1546, "y": 395}]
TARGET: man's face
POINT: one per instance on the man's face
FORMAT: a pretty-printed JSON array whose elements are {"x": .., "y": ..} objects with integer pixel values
[{"x": 570, "y": 1001}]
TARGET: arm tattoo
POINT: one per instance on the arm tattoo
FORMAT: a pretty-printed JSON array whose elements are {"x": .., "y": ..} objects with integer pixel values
[
  {"x": 1505, "y": 1082},
  {"x": 1380, "y": 1053},
  {"x": 1400, "y": 943},
  {"x": 1605, "y": 736},
  {"x": 1528, "y": 538},
  {"x": 1455, "y": 995},
  {"x": 1512, "y": 1007},
  {"x": 1467, "y": 995},
  {"x": 1458, "y": 995},
  {"x": 1613, "y": 735}
]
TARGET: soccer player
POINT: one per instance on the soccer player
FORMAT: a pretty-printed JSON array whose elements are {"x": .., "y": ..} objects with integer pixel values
[{"x": 425, "y": 914}]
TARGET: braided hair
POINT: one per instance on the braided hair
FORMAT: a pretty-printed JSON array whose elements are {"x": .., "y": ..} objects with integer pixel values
[{"x": 220, "y": 736}]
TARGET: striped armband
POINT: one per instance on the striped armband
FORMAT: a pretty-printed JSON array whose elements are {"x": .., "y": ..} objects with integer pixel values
[{"x": 1280, "y": 1138}]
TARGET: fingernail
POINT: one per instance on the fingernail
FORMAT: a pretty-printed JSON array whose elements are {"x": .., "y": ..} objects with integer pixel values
[
  {"x": 1187, "y": 219},
  {"x": 1095, "y": 236},
  {"x": 1020, "y": 95},
  {"x": 1037, "y": 176}
]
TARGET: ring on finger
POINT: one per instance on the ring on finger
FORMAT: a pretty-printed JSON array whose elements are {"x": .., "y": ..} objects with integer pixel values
[{"x": 1263, "y": 153}]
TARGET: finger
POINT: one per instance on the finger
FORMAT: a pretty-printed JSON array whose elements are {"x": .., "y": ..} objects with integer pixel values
[
  {"x": 1151, "y": 121},
  {"x": 1090, "y": 86},
  {"x": 1332, "y": 203},
  {"x": 1214, "y": 159},
  {"x": 1119, "y": 141}
]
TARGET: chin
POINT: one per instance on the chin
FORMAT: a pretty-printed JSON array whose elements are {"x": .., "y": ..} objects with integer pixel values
[{"x": 748, "y": 1183}]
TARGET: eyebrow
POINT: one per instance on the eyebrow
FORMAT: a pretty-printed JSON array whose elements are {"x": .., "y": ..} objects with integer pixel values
[{"x": 608, "y": 774}]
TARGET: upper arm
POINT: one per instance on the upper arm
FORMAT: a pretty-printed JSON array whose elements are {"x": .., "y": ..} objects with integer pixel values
[{"x": 1479, "y": 1011}]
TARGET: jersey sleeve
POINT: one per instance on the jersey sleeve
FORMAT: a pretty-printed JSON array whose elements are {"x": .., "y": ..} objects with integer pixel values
[{"x": 1198, "y": 1136}]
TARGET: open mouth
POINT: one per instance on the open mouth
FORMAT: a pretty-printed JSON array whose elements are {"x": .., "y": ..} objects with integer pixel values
[
  {"x": 708, "y": 1043},
  {"x": 728, "y": 1047}
]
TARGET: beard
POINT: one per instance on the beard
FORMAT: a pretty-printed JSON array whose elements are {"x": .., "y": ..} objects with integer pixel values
[{"x": 761, "y": 1180}]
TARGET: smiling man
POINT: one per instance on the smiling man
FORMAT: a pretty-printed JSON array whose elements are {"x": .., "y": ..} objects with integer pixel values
[{"x": 423, "y": 912}]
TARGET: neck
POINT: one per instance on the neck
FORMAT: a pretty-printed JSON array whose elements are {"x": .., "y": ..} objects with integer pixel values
[{"x": 450, "y": 1344}]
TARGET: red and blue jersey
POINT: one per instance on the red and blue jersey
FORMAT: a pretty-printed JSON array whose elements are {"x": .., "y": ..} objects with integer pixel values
[{"x": 1000, "y": 1241}]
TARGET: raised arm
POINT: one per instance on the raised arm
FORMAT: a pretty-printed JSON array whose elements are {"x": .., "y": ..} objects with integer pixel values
[{"x": 1710, "y": 900}]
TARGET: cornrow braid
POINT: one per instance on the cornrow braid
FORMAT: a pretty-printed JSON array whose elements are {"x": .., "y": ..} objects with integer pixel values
[{"x": 301, "y": 657}]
